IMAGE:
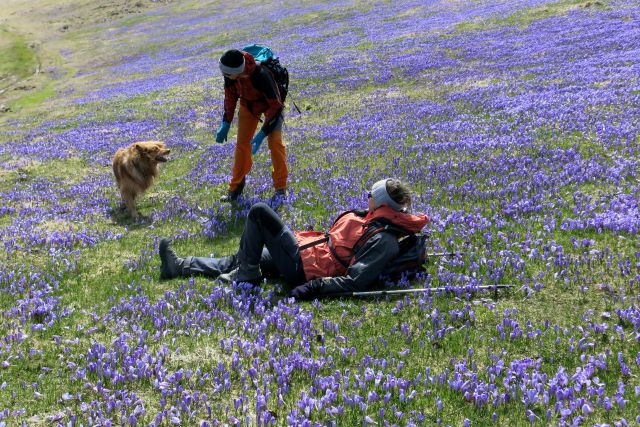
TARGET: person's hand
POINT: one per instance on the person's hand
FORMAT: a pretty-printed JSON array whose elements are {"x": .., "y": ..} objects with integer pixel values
[
  {"x": 221, "y": 135},
  {"x": 303, "y": 292},
  {"x": 256, "y": 141}
]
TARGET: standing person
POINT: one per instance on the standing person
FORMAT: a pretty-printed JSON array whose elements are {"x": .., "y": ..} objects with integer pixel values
[
  {"x": 258, "y": 93},
  {"x": 308, "y": 262}
]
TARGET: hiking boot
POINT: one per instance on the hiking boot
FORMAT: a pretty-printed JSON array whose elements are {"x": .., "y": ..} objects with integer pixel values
[
  {"x": 278, "y": 199},
  {"x": 232, "y": 196},
  {"x": 170, "y": 264},
  {"x": 279, "y": 196},
  {"x": 229, "y": 197},
  {"x": 244, "y": 273}
]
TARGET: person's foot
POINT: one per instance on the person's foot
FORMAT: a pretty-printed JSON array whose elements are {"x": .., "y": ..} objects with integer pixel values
[
  {"x": 278, "y": 198},
  {"x": 249, "y": 274},
  {"x": 170, "y": 263},
  {"x": 232, "y": 196}
]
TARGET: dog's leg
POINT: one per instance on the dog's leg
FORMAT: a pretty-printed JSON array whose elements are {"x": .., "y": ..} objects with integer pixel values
[
  {"x": 121, "y": 206},
  {"x": 129, "y": 199}
]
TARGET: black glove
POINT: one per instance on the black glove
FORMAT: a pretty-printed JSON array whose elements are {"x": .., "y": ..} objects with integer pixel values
[{"x": 303, "y": 292}]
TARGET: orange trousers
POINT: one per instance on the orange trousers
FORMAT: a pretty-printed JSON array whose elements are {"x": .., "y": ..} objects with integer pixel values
[{"x": 242, "y": 162}]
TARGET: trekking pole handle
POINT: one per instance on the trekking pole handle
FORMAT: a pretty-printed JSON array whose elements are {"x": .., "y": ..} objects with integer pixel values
[{"x": 432, "y": 254}]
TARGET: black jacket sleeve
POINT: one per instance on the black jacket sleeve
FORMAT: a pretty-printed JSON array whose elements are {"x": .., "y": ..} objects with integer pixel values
[{"x": 369, "y": 263}]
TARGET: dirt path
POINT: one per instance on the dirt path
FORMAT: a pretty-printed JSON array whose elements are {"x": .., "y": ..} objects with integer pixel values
[{"x": 41, "y": 25}]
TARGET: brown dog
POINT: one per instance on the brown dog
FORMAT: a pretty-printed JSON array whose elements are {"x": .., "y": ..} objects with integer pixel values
[{"x": 135, "y": 168}]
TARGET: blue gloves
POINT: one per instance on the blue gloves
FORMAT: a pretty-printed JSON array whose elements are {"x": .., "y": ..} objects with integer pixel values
[
  {"x": 303, "y": 292},
  {"x": 257, "y": 140},
  {"x": 221, "y": 135}
]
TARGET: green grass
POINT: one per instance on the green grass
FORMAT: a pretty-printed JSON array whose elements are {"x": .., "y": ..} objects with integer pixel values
[
  {"x": 71, "y": 170},
  {"x": 380, "y": 328},
  {"x": 36, "y": 98},
  {"x": 23, "y": 62},
  {"x": 17, "y": 58}
]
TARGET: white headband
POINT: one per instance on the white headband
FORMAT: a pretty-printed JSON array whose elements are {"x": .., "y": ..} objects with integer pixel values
[
  {"x": 381, "y": 197},
  {"x": 231, "y": 70}
]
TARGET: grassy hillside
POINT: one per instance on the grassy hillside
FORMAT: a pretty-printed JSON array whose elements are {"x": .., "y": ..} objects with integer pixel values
[
  {"x": 515, "y": 123},
  {"x": 18, "y": 59}
]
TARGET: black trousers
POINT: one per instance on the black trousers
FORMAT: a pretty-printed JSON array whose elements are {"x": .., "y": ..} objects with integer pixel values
[{"x": 265, "y": 241}]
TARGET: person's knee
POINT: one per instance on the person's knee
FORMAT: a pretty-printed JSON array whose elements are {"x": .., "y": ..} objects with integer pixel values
[
  {"x": 258, "y": 211},
  {"x": 274, "y": 138},
  {"x": 262, "y": 214}
]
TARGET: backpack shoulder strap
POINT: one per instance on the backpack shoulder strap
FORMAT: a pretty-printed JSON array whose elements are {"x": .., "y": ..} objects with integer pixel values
[
  {"x": 390, "y": 226},
  {"x": 315, "y": 242},
  {"x": 376, "y": 227}
]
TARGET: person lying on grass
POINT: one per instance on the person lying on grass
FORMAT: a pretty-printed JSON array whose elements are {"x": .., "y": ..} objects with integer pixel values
[{"x": 311, "y": 264}]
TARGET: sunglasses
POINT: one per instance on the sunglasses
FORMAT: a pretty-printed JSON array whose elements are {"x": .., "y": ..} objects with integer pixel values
[{"x": 369, "y": 195}]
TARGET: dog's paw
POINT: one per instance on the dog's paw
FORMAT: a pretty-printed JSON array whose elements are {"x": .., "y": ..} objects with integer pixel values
[
  {"x": 143, "y": 219},
  {"x": 117, "y": 210}
]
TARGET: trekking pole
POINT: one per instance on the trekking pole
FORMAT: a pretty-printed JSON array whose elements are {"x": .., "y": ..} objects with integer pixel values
[
  {"x": 295, "y": 105},
  {"x": 433, "y": 254},
  {"x": 420, "y": 290}
]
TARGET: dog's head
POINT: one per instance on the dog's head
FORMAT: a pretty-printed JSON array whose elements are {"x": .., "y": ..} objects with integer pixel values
[{"x": 155, "y": 151}]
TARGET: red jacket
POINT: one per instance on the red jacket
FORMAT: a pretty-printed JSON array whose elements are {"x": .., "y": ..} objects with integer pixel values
[
  {"x": 258, "y": 92},
  {"x": 318, "y": 261}
]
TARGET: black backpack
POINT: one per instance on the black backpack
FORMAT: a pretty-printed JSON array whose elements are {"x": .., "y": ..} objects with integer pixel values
[
  {"x": 412, "y": 255},
  {"x": 264, "y": 56},
  {"x": 411, "y": 258}
]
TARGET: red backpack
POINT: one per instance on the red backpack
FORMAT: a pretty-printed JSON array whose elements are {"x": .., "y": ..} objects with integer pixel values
[{"x": 411, "y": 257}]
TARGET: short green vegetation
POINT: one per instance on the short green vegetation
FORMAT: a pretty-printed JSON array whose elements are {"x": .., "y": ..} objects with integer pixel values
[{"x": 18, "y": 59}]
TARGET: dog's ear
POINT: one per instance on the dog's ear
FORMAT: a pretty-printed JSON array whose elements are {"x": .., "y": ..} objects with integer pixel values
[{"x": 139, "y": 147}]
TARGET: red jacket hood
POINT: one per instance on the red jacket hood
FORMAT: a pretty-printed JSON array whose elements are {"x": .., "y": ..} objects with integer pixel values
[
  {"x": 249, "y": 63},
  {"x": 412, "y": 222}
]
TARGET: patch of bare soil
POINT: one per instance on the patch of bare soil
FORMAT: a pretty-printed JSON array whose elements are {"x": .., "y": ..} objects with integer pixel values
[
  {"x": 75, "y": 14},
  {"x": 45, "y": 17},
  {"x": 42, "y": 23}
]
